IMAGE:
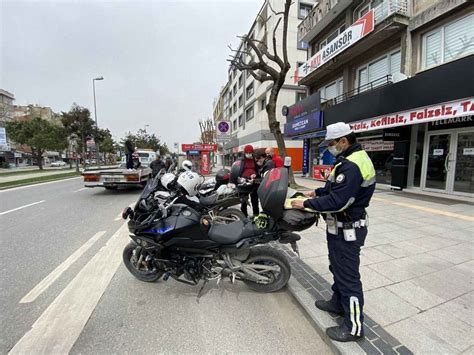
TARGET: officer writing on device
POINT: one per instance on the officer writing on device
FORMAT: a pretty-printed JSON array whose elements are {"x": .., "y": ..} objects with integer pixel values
[{"x": 343, "y": 200}]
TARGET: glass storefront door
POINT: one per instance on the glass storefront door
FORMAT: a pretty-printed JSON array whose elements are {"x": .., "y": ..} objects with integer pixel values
[{"x": 449, "y": 162}]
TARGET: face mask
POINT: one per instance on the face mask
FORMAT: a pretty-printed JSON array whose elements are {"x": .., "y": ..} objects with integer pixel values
[
  {"x": 248, "y": 156},
  {"x": 333, "y": 150},
  {"x": 260, "y": 162}
]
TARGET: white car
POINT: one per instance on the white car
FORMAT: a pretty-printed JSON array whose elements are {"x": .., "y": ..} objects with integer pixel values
[{"x": 58, "y": 164}]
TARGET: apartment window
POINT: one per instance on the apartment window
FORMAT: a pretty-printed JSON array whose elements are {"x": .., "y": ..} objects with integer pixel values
[
  {"x": 234, "y": 125},
  {"x": 235, "y": 90},
  {"x": 449, "y": 42},
  {"x": 300, "y": 96},
  {"x": 241, "y": 120},
  {"x": 332, "y": 36},
  {"x": 302, "y": 45},
  {"x": 389, "y": 64},
  {"x": 332, "y": 90},
  {"x": 241, "y": 100},
  {"x": 235, "y": 107},
  {"x": 263, "y": 103},
  {"x": 304, "y": 10},
  {"x": 249, "y": 113},
  {"x": 241, "y": 80},
  {"x": 249, "y": 91}
]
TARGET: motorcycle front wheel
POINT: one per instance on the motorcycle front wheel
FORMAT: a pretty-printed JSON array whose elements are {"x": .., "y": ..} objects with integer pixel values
[
  {"x": 134, "y": 260},
  {"x": 270, "y": 257}
]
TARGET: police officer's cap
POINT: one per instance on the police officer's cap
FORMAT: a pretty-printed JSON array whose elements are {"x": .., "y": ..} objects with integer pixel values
[{"x": 335, "y": 131}]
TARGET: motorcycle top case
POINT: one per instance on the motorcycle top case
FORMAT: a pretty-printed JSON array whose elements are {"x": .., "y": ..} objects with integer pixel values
[
  {"x": 222, "y": 176},
  {"x": 272, "y": 192},
  {"x": 235, "y": 171}
]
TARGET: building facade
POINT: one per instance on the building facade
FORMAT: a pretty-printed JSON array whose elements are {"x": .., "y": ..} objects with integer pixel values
[
  {"x": 245, "y": 98},
  {"x": 400, "y": 72}
]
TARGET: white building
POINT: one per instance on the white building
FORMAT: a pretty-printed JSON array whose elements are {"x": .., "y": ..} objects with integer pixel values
[{"x": 245, "y": 98}]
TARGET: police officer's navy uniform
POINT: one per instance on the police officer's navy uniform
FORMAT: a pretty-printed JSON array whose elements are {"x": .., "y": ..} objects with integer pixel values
[{"x": 343, "y": 199}]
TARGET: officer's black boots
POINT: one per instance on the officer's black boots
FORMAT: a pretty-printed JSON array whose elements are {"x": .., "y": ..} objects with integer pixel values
[
  {"x": 329, "y": 306},
  {"x": 340, "y": 333}
]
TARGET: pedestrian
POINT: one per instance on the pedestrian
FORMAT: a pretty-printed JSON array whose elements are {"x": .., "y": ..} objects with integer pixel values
[
  {"x": 128, "y": 154},
  {"x": 249, "y": 172},
  {"x": 275, "y": 157},
  {"x": 343, "y": 201},
  {"x": 264, "y": 164},
  {"x": 156, "y": 165},
  {"x": 136, "y": 159},
  {"x": 168, "y": 163}
]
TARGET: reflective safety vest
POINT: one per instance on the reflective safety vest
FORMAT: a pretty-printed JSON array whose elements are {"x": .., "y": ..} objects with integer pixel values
[{"x": 365, "y": 165}]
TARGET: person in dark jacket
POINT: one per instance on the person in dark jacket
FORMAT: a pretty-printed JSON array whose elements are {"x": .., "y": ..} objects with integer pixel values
[
  {"x": 264, "y": 164},
  {"x": 343, "y": 201},
  {"x": 129, "y": 149},
  {"x": 168, "y": 163},
  {"x": 249, "y": 172},
  {"x": 157, "y": 165}
]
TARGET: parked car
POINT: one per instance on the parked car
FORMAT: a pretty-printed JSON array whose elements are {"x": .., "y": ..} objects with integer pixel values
[{"x": 56, "y": 164}]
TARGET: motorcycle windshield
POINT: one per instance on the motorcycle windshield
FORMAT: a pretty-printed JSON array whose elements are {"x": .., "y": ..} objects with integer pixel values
[
  {"x": 272, "y": 192},
  {"x": 151, "y": 185}
]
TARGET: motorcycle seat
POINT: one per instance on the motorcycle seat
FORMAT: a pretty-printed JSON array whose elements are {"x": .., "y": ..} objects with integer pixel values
[
  {"x": 208, "y": 200},
  {"x": 233, "y": 232}
]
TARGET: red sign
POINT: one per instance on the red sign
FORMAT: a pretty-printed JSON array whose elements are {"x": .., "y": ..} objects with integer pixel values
[
  {"x": 199, "y": 147},
  {"x": 322, "y": 172},
  {"x": 205, "y": 163}
]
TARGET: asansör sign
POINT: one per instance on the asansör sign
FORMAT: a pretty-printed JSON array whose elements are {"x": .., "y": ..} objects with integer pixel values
[
  {"x": 358, "y": 30},
  {"x": 443, "y": 111}
]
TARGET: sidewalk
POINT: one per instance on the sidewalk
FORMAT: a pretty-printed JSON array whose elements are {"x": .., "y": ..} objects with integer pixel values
[{"x": 417, "y": 270}]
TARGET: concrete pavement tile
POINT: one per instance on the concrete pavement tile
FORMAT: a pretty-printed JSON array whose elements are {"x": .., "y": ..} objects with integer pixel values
[
  {"x": 434, "y": 242},
  {"x": 469, "y": 351},
  {"x": 434, "y": 229},
  {"x": 431, "y": 261},
  {"x": 411, "y": 246},
  {"x": 317, "y": 249},
  {"x": 320, "y": 264},
  {"x": 461, "y": 308},
  {"x": 419, "y": 339},
  {"x": 379, "y": 239},
  {"x": 455, "y": 254},
  {"x": 372, "y": 279},
  {"x": 401, "y": 269},
  {"x": 415, "y": 295},
  {"x": 463, "y": 235},
  {"x": 386, "y": 308},
  {"x": 447, "y": 327},
  {"x": 373, "y": 255},
  {"x": 440, "y": 286},
  {"x": 392, "y": 250}
]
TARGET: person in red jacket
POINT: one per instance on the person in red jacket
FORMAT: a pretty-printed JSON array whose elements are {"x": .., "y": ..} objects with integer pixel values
[
  {"x": 276, "y": 158},
  {"x": 249, "y": 171}
]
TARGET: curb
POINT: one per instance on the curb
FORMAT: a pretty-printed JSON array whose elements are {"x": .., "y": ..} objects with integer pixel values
[{"x": 39, "y": 182}]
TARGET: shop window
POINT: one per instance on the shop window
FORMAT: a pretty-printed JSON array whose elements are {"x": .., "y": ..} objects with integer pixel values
[
  {"x": 448, "y": 42},
  {"x": 304, "y": 10},
  {"x": 249, "y": 113}
]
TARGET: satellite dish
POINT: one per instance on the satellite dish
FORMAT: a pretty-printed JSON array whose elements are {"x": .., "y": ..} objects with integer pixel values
[{"x": 396, "y": 77}]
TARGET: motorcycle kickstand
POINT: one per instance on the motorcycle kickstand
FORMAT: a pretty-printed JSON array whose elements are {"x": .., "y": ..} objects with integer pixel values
[
  {"x": 200, "y": 290},
  {"x": 295, "y": 248},
  {"x": 232, "y": 278}
]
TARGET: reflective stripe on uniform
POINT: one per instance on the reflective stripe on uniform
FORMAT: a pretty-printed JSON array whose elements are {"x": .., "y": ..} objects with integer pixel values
[
  {"x": 355, "y": 316},
  {"x": 365, "y": 165}
]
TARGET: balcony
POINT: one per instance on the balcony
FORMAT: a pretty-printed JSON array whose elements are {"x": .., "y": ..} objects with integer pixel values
[{"x": 324, "y": 14}]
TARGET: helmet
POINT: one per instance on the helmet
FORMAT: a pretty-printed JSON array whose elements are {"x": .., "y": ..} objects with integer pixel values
[
  {"x": 248, "y": 148},
  {"x": 167, "y": 179},
  {"x": 190, "y": 182},
  {"x": 187, "y": 165}
]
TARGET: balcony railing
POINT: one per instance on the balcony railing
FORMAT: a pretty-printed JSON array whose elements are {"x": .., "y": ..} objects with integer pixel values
[
  {"x": 382, "y": 11},
  {"x": 383, "y": 81},
  {"x": 389, "y": 7}
]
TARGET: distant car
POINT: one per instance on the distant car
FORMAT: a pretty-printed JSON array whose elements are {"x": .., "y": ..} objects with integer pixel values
[{"x": 58, "y": 164}]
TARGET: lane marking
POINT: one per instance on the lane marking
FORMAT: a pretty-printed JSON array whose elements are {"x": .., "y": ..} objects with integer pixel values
[
  {"x": 61, "y": 324},
  {"x": 39, "y": 184},
  {"x": 84, "y": 188},
  {"x": 21, "y": 207},
  {"x": 427, "y": 209},
  {"x": 54, "y": 275}
]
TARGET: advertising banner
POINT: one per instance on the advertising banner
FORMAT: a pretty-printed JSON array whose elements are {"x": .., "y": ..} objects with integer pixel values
[
  {"x": 205, "y": 163},
  {"x": 358, "y": 30},
  {"x": 322, "y": 172},
  {"x": 443, "y": 111},
  {"x": 311, "y": 122},
  {"x": 305, "y": 156},
  {"x": 199, "y": 147}
]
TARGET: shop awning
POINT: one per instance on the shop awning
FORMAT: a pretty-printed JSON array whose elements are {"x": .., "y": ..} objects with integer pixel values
[{"x": 318, "y": 134}]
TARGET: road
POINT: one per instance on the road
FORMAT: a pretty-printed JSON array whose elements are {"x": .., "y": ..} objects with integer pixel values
[{"x": 63, "y": 288}]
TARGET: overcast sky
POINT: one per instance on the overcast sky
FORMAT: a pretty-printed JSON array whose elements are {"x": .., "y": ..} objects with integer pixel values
[{"x": 163, "y": 62}]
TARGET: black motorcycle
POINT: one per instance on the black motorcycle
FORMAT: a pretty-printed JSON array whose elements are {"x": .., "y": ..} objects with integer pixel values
[{"x": 176, "y": 241}]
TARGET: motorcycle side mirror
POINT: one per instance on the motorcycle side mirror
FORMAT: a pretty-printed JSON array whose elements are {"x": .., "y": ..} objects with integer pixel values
[{"x": 127, "y": 212}]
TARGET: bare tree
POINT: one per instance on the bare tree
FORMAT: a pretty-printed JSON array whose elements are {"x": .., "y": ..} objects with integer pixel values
[
  {"x": 208, "y": 131},
  {"x": 266, "y": 64}
]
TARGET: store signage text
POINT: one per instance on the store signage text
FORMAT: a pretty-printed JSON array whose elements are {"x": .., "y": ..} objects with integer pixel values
[
  {"x": 358, "y": 30},
  {"x": 310, "y": 122},
  {"x": 439, "y": 112},
  {"x": 199, "y": 147}
]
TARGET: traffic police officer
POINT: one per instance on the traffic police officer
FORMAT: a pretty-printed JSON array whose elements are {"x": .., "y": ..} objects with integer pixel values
[{"x": 343, "y": 200}]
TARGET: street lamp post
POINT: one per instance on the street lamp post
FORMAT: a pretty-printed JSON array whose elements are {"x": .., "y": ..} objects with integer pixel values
[{"x": 95, "y": 115}]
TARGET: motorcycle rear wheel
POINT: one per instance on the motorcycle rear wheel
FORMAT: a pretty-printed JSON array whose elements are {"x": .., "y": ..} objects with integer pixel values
[
  {"x": 130, "y": 262},
  {"x": 232, "y": 213},
  {"x": 269, "y": 256}
]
